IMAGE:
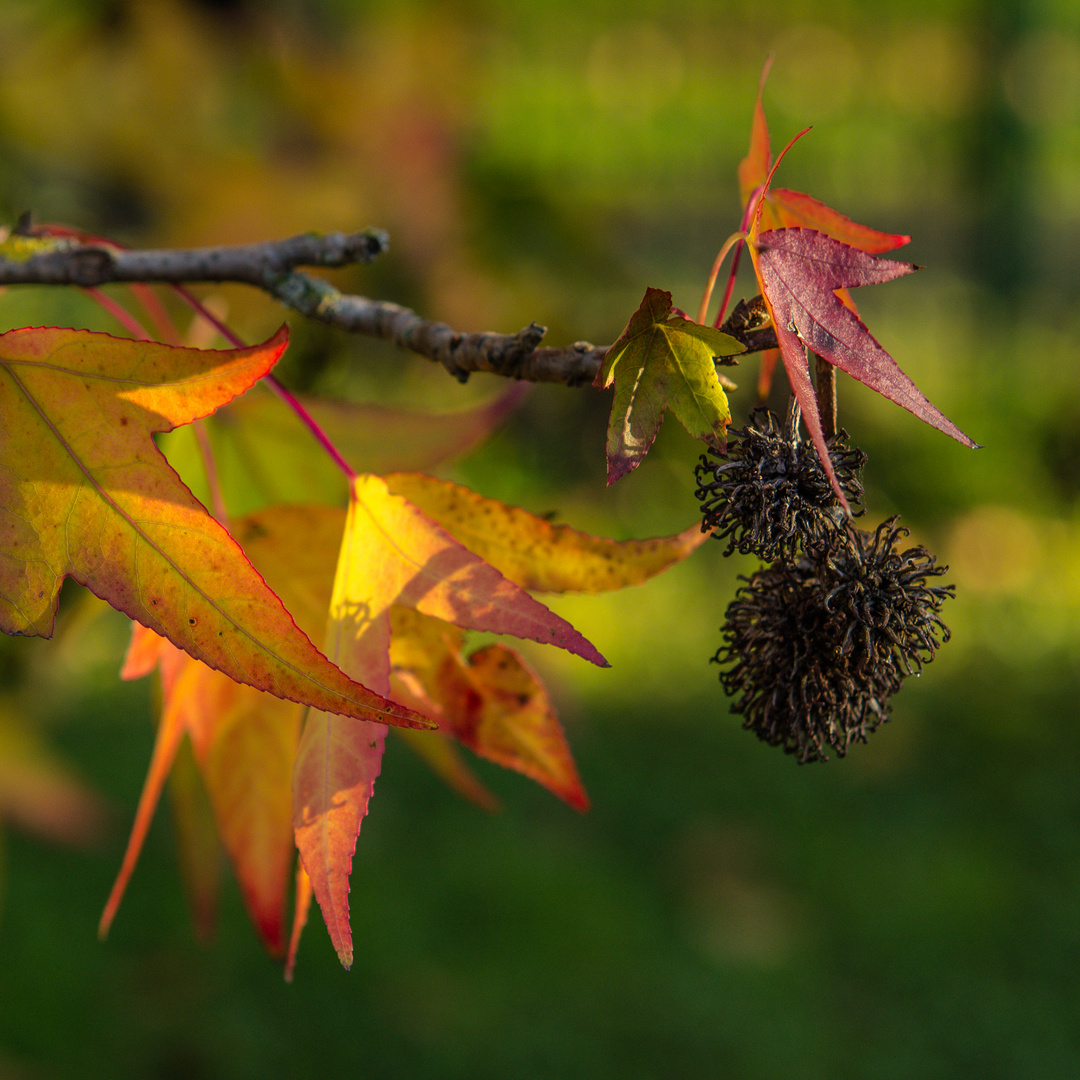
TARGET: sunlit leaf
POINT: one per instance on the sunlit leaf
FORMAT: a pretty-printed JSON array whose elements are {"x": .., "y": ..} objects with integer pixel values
[
  {"x": 391, "y": 554},
  {"x": 662, "y": 360},
  {"x": 534, "y": 553},
  {"x": 495, "y": 705},
  {"x": 782, "y": 208},
  {"x": 84, "y": 493},
  {"x": 244, "y": 741},
  {"x": 799, "y": 271}
]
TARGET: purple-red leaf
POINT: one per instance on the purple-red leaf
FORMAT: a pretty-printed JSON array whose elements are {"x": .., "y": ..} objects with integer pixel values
[{"x": 799, "y": 271}]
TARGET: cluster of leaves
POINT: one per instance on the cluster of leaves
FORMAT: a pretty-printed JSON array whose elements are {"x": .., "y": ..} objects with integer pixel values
[
  {"x": 805, "y": 257},
  {"x": 286, "y": 740}
]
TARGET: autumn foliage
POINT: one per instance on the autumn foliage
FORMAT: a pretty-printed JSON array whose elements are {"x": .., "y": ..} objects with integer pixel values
[{"x": 289, "y": 642}]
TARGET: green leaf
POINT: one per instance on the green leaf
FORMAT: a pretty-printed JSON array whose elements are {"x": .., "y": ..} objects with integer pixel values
[{"x": 662, "y": 360}]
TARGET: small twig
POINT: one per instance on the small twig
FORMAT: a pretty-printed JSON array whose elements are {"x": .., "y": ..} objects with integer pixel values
[
  {"x": 516, "y": 356},
  {"x": 751, "y": 324}
]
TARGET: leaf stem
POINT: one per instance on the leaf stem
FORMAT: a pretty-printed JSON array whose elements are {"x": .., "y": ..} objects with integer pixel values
[
  {"x": 120, "y": 314},
  {"x": 825, "y": 389},
  {"x": 312, "y": 425},
  {"x": 167, "y": 330},
  {"x": 756, "y": 214},
  {"x": 273, "y": 385},
  {"x": 729, "y": 288},
  {"x": 729, "y": 243}
]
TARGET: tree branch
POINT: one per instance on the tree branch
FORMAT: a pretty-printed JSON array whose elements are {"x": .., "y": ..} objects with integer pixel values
[
  {"x": 35, "y": 256},
  {"x": 65, "y": 260}
]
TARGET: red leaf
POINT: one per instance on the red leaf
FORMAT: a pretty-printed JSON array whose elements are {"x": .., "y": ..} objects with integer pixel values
[
  {"x": 336, "y": 766},
  {"x": 783, "y": 208},
  {"x": 496, "y": 706},
  {"x": 300, "y": 914},
  {"x": 799, "y": 271},
  {"x": 793, "y": 208}
]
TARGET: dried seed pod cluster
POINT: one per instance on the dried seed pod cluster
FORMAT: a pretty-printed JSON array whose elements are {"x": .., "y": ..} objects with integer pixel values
[
  {"x": 814, "y": 649},
  {"x": 816, "y": 644},
  {"x": 770, "y": 496}
]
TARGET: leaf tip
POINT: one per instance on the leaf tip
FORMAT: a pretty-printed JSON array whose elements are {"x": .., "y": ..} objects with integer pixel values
[
  {"x": 619, "y": 466},
  {"x": 399, "y": 716},
  {"x": 579, "y": 801}
]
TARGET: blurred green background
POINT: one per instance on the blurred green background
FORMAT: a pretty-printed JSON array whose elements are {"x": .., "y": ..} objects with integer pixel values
[{"x": 910, "y": 911}]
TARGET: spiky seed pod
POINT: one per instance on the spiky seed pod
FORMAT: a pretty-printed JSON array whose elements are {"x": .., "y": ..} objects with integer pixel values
[
  {"x": 770, "y": 496},
  {"x": 815, "y": 648}
]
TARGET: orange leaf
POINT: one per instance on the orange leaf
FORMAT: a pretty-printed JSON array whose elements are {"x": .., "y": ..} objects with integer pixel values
[
  {"x": 793, "y": 208},
  {"x": 769, "y": 358},
  {"x": 196, "y": 701},
  {"x": 245, "y": 741},
  {"x": 390, "y": 554},
  {"x": 144, "y": 651},
  {"x": 492, "y": 703},
  {"x": 248, "y": 771},
  {"x": 419, "y": 646},
  {"x": 300, "y": 915},
  {"x": 782, "y": 208},
  {"x": 84, "y": 493},
  {"x": 336, "y": 766},
  {"x": 169, "y": 734},
  {"x": 496, "y": 705},
  {"x": 754, "y": 168},
  {"x": 532, "y": 552}
]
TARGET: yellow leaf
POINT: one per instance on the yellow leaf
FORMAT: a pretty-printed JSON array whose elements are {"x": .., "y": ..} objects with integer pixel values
[{"x": 532, "y": 552}]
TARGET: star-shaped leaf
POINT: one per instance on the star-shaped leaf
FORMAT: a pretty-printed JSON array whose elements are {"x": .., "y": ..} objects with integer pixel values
[
  {"x": 662, "y": 360},
  {"x": 391, "y": 554},
  {"x": 783, "y": 208},
  {"x": 85, "y": 493},
  {"x": 407, "y": 555},
  {"x": 534, "y": 553},
  {"x": 800, "y": 271}
]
